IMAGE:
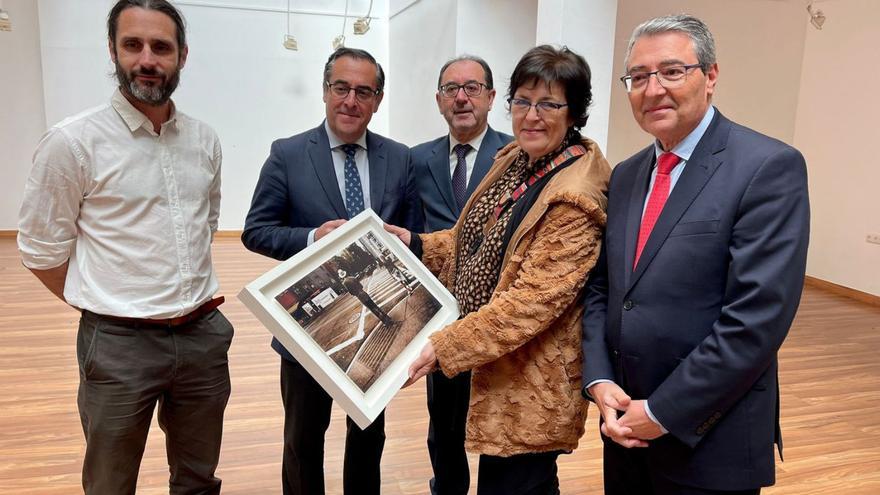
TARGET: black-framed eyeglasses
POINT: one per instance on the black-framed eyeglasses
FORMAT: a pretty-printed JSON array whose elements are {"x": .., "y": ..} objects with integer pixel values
[
  {"x": 670, "y": 76},
  {"x": 471, "y": 88},
  {"x": 341, "y": 90},
  {"x": 521, "y": 106}
]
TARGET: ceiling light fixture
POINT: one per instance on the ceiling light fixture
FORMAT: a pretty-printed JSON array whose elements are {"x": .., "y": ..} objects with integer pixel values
[
  {"x": 289, "y": 40},
  {"x": 817, "y": 17},
  {"x": 339, "y": 41},
  {"x": 362, "y": 25},
  {"x": 5, "y": 22}
]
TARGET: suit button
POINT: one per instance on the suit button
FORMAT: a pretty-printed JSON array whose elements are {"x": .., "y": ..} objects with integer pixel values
[{"x": 627, "y": 305}]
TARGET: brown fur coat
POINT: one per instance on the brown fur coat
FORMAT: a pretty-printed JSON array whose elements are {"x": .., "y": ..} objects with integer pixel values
[{"x": 524, "y": 346}]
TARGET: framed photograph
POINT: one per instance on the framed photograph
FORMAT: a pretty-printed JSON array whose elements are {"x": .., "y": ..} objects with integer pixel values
[{"x": 355, "y": 309}]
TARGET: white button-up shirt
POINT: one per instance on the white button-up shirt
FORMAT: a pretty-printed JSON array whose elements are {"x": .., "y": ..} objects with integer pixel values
[
  {"x": 470, "y": 159},
  {"x": 133, "y": 211}
]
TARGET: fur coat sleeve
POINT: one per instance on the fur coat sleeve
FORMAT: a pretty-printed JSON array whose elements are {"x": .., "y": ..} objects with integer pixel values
[{"x": 551, "y": 273}]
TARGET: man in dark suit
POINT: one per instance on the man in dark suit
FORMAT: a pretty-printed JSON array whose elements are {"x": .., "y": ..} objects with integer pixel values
[
  {"x": 448, "y": 170},
  {"x": 465, "y": 94},
  {"x": 310, "y": 184},
  {"x": 698, "y": 282}
]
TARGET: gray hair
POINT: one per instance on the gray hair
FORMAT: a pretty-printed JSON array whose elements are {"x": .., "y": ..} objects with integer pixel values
[
  {"x": 473, "y": 58},
  {"x": 695, "y": 29}
]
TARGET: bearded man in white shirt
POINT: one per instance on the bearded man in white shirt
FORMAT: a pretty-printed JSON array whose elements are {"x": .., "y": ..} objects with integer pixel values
[{"x": 117, "y": 220}]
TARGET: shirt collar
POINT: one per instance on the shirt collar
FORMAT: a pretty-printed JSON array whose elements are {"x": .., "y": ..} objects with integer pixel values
[
  {"x": 335, "y": 142},
  {"x": 475, "y": 142},
  {"x": 133, "y": 117},
  {"x": 686, "y": 147}
]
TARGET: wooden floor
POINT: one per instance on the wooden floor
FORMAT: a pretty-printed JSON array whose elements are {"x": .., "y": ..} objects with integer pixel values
[{"x": 830, "y": 374}]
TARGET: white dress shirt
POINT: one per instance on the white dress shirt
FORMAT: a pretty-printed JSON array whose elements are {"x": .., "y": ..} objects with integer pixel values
[
  {"x": 133, "y": 211},
  {"x": 470, "y": 159},
  {"x": 361, "y": 161}
]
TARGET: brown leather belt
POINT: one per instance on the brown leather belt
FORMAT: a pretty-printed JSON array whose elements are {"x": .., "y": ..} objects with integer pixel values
[{"x": 172, "y": 322}]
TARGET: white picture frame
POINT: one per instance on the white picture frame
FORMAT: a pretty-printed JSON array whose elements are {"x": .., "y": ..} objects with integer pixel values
[{"x": 360, "y": 356}]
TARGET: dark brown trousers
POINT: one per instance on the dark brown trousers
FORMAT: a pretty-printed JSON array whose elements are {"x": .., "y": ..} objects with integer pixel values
[{"x": 125, "y": 370}]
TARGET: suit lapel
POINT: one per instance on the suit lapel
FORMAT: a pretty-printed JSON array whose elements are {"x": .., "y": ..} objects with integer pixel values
[
  {"x": 485, "y": 158},
  {"x": 378, "y": 163},
  {"x": 322, "y": 161},
  {"x": 697, "y": 172},
  {"x": 438, "y": 164}
]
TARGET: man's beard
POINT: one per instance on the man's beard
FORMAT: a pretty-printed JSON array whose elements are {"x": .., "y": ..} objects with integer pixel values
[{"x": 156, "y": 94}]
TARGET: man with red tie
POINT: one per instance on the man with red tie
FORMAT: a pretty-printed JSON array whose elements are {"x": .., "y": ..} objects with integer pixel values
[{"x": 699, "y": 279}]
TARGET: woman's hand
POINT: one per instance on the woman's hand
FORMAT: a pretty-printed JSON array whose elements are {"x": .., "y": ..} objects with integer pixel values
[
  {"x": 424, "y": 364},
  {"x": 404, "y": 235}
]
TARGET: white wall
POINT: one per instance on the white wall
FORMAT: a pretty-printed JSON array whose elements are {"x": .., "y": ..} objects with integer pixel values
[
  {"x": 422, "y": 37},
  {"x": 22, "y": 120},
  {"x": 238, "y": 78},
  {"x": 759, "y": 49},
  {"x": 777, "y": 76},
  {"x": 837, "y": 131},
  {"x": 424, "y": 34},
  {"x": 588, "y": 29},
  {"x": 500, "y": 31}
]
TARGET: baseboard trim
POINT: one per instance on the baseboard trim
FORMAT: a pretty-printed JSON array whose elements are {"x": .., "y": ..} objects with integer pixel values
[
  {"x": 843, "y": 291},
  {"x": 8, "y": 234}
]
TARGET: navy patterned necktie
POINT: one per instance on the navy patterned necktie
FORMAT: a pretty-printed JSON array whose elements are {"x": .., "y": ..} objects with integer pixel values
[
  {"x": 459, "y": 175},
  {"x": 354, "y": 192}
]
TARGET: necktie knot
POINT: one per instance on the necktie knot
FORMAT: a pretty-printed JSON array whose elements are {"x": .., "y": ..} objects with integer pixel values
[
  {"x": 349, "y": 149},
  {"x": 666, "y": 162},
  {"x": 461, "y": 150}
]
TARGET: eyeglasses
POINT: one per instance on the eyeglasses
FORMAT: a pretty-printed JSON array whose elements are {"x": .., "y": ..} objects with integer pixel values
[
  {"x": 669, "y": 77},
  {"x": 341, "y": 90},
  {"x": 471, "y": 88},
  {"x": 520, "y": 106}
]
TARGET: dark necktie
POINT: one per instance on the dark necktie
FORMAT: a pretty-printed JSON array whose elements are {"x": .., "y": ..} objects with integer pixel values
[
  {"x": 354, "y": 192},
  {"x": 459, "y": 175},
  {"x": 665, "y": 163}
]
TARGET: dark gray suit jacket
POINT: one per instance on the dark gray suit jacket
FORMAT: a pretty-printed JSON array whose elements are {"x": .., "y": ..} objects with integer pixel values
[
  {"x": 297, "y": 191},
  {"x": 696, "y": 326},
  {"x": 434, "y": 181}
]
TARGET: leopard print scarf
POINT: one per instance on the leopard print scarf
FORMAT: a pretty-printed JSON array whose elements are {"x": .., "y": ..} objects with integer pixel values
[{"x": 481, "y": 238}]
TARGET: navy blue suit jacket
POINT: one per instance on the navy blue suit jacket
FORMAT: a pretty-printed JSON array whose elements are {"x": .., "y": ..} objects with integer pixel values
[
  {"x": 434, "y": 181},
  {"x": 696, "y": 326},
  {"x": 297, "y": 191}
]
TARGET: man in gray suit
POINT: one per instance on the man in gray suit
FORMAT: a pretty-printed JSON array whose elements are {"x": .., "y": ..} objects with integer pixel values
[
  {"x": 448, "y": 170},
  {"x": 311, "y": 184}
]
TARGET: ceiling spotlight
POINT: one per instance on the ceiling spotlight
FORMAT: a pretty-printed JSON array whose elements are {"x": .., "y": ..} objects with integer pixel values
[
  {"x": 817, "y": 17},
  {"x": 362, "y": 25},
  {"x": 290, "y": 42},
  {"x": 339, "y": 42},
  {"x": 5, "y": 22}
]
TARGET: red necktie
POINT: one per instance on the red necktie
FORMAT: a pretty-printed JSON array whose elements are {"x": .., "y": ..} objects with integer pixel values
[{"x": 665, "y": 163}]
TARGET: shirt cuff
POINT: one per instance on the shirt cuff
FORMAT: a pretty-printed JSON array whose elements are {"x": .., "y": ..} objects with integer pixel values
[
  {"x": 651, "y": 415},
  {"x": 586, "y": 390},
  {"x": 311, "y": 239}
]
